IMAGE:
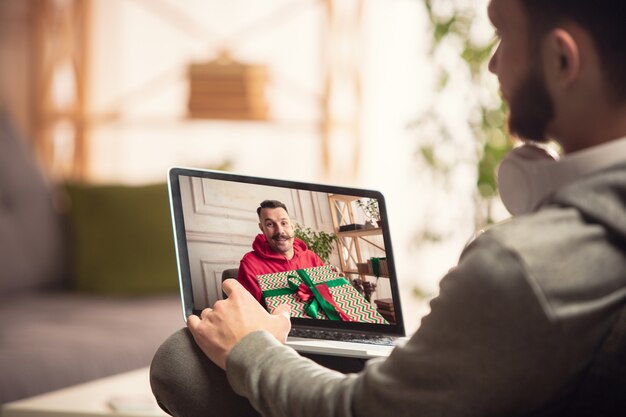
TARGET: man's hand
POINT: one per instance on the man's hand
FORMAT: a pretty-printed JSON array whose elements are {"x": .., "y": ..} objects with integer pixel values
[{"x": 219, "y": 329}]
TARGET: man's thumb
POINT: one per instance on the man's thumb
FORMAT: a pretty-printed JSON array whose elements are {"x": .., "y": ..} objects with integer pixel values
[{"x": 283, "y": 309}]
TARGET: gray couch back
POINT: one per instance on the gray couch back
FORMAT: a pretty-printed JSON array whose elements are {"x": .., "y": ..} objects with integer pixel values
[{"x": 32, "y": 237}]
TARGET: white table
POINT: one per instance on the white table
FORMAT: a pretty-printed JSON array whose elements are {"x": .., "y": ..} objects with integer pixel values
[{"x": 129, "y": 391}]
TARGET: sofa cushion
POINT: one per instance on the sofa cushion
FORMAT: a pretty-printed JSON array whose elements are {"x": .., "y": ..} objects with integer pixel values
[
  {"x": 32, "y": 245},
  {"x": 53, "y": 340},
  {"x": 121, "y": 239}
]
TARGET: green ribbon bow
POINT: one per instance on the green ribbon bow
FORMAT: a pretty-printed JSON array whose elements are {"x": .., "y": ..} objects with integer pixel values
[{"x": 316, "y": 302}]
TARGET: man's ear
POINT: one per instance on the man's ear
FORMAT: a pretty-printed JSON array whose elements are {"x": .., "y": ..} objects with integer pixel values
[
  {"x": 562, "y": 57},
  {"x": 260, "y": 226}
]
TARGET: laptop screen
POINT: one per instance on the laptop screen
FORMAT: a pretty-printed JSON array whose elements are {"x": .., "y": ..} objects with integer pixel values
[{"x": 324, "y": 250}]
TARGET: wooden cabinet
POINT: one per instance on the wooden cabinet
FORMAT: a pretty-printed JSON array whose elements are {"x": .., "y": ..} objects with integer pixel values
[{"x": 356, "y": 242}]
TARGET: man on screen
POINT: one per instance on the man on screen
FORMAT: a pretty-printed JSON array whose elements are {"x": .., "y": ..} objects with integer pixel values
[{"x": 274, "y": 250}]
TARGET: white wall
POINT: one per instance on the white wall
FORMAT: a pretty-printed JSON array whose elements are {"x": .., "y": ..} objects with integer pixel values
[{"x": 139, "y": 69}]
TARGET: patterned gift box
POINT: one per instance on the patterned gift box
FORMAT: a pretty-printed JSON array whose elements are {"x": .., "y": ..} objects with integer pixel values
[{"x": 346, "y": 300}]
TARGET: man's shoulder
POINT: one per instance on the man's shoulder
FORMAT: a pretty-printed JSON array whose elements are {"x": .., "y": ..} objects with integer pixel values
[
  {"x": 549, "y": 227},
  {"x": 251, "y": 258},
  {"x": 555, "y": 234},
  {"x": 249, "y": 255},
  {"x": 302, "y": 251},
  {"x": 309, "y": 253},
  {"x": 571, "y": 264}
]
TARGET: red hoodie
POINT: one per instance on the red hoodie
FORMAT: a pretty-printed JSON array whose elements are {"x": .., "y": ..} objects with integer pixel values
[{"x": 263, "y": 260}]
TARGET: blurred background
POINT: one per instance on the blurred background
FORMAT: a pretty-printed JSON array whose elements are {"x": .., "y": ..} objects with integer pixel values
[{"x": 391, "y": 95}]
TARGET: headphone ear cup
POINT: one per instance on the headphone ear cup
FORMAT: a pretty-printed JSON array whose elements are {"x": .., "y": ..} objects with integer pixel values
[{"x": 517, "y": 178}]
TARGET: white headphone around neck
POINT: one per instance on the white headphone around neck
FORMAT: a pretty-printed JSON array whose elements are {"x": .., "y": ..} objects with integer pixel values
[{"x": 531, "y": 173}]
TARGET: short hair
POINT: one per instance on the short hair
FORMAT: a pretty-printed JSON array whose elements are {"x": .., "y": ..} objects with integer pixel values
[
  {"x": 270, "y": 204},
  {"x": 602, "y": 19}
]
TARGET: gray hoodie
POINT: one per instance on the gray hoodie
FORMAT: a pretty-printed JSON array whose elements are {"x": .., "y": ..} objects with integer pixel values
[{"x": 516, "y": 329}]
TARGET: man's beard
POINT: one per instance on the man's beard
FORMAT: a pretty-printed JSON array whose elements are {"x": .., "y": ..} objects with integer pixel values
[{"x": 531, "y": 107}]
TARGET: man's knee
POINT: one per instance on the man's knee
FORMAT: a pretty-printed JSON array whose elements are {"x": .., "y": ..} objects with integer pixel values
[
  {"x": 186, "y": 383},
  {"x": 166, "y": 369}
]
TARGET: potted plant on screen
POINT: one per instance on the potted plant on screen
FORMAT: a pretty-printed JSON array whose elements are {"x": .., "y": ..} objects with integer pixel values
[
  {"x": 371, "y": 210},
  {"x": 319, "y": 242}
]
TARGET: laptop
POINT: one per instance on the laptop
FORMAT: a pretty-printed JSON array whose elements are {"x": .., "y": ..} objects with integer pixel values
[{"x": 215, "y": 222}]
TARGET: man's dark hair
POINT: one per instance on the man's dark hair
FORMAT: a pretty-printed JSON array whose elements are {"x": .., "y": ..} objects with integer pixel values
[
  {"x": 270, "y": 204},
  {"x": 603, "y": 19}
]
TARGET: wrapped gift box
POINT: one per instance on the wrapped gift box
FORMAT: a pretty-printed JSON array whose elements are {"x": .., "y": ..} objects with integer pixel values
[{"x": 277, "y": 290}]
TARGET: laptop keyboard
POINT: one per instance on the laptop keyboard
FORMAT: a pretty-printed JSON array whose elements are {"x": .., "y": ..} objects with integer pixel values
[{"x": 344, "y": 337}]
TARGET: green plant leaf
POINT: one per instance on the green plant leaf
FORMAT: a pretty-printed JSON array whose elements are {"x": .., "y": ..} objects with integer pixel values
[{"x": 319, "y": 242}]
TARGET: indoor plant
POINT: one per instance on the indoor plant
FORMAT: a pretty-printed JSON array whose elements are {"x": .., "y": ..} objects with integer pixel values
[
  {"x": 319, "y": 242},
  {"x": 370, "y": 208}
]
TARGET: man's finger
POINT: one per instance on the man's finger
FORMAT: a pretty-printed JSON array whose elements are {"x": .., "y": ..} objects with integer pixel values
[
  {"x": 192, "y": 322},
  {"x": 204, "y": 313},
  {"x": 230, "y": 285}
]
